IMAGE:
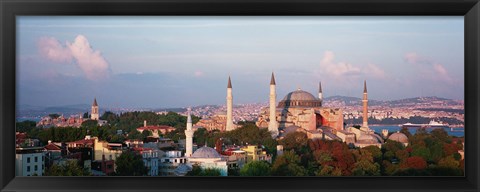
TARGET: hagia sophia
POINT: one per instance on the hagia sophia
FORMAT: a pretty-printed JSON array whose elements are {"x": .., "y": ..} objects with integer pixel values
[{"x": 300, "y": 111}]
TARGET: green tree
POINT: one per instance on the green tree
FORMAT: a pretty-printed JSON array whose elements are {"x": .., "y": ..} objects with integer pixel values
[
  {"x": 90, "y": 123},
  {"x": 70, "y": 168},
  {"x": 25, "y": 126},
  {"x": 199, "y": 171},
  {"x": 366, "y": 168},
  {"x": 256, "y": 168},
  {"x": 288, "y": 164},
  {"x": 130, "y": 163},
  {"x": 295, "y": 141}
]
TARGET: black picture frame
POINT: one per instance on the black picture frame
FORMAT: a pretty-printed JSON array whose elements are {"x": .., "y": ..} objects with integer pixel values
[{"x": 9, "y": 9}]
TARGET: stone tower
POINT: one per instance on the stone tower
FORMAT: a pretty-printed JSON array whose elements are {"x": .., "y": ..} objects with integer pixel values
[
  {"x": 94, "y": 111},
  {"x": 272, "y": 124},
  {"x": 365, "y": 105},
  {"x": 189, "y": 136},
  {"x": 229, "y": 125}
]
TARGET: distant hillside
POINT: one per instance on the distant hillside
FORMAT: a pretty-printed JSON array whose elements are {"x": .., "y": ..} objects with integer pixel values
[{"x": 352, "y": 101}]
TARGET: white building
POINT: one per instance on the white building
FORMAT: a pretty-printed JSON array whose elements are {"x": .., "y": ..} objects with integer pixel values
[
  {"x": 29, "y": 161},
  {"x": 209, "y": 158},
  {"x": 170, "y": 162}
]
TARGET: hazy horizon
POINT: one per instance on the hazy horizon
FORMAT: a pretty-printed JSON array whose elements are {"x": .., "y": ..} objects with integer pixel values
[{"x": 150, "y": 62}]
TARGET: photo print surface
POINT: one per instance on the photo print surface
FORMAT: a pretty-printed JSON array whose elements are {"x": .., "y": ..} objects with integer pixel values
[{"x": 240, "y": 96}]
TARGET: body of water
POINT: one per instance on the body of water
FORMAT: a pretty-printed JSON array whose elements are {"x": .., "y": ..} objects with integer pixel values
[{"x": 458, "y": 131}]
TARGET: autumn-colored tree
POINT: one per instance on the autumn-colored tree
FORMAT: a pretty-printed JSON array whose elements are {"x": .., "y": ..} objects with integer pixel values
[
  {"x": 450, "y": 148},
  {"x": 414, "y": 163},
  {"x": 449, "y": 162},
  {"x": 332, "y": 154}
]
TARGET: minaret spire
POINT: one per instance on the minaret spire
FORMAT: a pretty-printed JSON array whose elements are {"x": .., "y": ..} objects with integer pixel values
[
  {"x": 272, "y": 80},
  {"x": 320, "y": 92},
  {"x": 229, "y": 123},
  {"x": 272, "y": 124},
  {"x": 365, "y": 86},
  {"x": 189, "y": 135},
  {"x": 229, "y": 83},
  {"x": 365, "y": 105}
]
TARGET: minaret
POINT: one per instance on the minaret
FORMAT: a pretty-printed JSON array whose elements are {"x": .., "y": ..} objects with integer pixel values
[
  {"x": 189, "y": 136},
  {"x": 365, "y": 105},
  {"x": 94, "y": 112},
  {"x": 320, "y": 93},
  {"x": 229, "y": 126},
  {"x": 273, "y": 125}
]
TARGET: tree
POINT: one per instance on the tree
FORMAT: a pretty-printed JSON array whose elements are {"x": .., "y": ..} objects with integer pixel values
[
  {"x": 109, "y": 116},
  {"x": 70, "y": 168},
  {"x": 90, "y": 123},
  {"x": 25, "y": 126},
  {"x": 414, "y": 162},
  {"x": 130, "y": 163},
  {"x": 295, "y": 141},
  {"x": 256, "y": 168},
  {"x": 366, "y": 168},
  {"x": 199, "y": 171},
  {"x": 449, "y": 162},
  {"x": 288, "y": 164}
]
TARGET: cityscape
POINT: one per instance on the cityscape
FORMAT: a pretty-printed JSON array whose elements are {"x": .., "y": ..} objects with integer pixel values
[{"x": 183, "y": 111}]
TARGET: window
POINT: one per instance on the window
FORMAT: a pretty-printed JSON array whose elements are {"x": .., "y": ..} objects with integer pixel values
[
  {"x": 28, "y": 159},
  {"x": 36, "y": 159},
  {"x": 35, "y": 168},
  {"x": 28, "y": 168}
]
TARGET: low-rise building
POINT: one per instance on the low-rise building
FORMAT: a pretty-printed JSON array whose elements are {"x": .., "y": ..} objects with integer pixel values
[
  {"x": 170, "y": 162},
  {"x": 29, "y": 161},
  {"x": 254, "y": 153}
]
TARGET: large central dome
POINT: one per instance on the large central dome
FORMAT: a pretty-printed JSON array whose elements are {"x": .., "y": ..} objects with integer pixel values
[{"x": 300, "y": 98}]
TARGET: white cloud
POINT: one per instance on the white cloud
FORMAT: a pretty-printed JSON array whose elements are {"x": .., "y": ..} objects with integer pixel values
[
  {"x": 52, "y": 49},
  {"x": 337, "y": 69},
  {"x": 374, "y": 71},
  {"x": 91, "y": 62},
  {"x": 429, "y": 68},
  {"x": 344, "y": 70}
]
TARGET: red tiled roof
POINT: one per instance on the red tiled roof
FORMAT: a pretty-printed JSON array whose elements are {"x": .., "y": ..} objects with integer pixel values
[
  {"x": 83, "y": 141},
  {"x": 52, "y": 147}
]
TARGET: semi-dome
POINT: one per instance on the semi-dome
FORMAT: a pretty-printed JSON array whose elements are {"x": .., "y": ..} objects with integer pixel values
[
  {"x": 400, "y": 137},
  {"x": 300, "y": 98},
  {"x": 206, "y": 152},
  {"x": 368, "y": 139}
]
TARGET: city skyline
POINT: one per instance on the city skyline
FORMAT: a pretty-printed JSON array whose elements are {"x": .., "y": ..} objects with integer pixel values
[{"x": 186, "y": 61}]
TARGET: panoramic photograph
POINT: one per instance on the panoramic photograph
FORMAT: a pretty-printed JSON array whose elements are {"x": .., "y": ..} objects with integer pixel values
[{"x": 282, "y": 96}]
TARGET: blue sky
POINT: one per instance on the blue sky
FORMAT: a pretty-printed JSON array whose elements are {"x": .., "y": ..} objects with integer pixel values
[{"x": 185, "y": 61}]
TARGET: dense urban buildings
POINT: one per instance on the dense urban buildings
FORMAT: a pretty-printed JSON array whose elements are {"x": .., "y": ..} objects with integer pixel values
[{"x": 298, "y": 122}]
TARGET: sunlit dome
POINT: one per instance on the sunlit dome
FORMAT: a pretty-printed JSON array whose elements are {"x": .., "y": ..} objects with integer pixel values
[
  {"x": 400, "y": 137},
  {"x": 369, "y": 139},
  {"x": 206, "y": 152},
  {"x": 300, "y": 98}
]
